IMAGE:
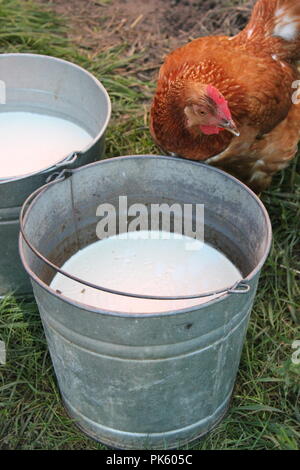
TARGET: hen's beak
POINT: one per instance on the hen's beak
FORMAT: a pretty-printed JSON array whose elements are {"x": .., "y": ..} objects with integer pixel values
[{"x": 230, "y": 126}]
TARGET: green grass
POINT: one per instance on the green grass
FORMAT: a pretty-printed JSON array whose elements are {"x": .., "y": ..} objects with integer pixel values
[{"x": 265, "y": 412}]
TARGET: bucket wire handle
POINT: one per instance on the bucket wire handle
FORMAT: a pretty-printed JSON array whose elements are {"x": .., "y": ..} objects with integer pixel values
[
  {"x": 240, "y": 287},
  {"x": 66, "y": 163},
  {"x": 52, "y": 179}
]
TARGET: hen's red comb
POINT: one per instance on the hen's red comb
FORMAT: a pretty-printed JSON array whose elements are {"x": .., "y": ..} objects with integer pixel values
[{"x": 220, "y": 101}]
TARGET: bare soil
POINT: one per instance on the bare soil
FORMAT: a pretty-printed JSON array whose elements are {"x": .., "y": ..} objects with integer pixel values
[{"x": 151, "y": 28}]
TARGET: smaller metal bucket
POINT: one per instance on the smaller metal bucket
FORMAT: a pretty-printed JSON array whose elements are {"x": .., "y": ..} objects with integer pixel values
[
  {"x": 54, "y": 87},
  {"x": 144, "y": 381}
]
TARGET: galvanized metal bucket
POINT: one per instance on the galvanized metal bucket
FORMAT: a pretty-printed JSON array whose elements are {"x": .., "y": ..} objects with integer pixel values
[
  {"x": 144, "y": 381},
  {"x": 50, "y": 86}
]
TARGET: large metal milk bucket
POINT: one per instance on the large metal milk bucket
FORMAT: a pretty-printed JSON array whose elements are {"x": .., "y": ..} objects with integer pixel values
[
  {"x": 54, "y": 87},
  {"x": 144, "y": 381}
]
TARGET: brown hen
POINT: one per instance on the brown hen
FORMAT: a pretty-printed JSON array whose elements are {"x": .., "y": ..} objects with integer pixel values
[{"x": 232, "y": 102}]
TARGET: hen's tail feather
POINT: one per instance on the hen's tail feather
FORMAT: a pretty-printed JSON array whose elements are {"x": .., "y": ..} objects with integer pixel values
[{"x": 276, "y": 25}]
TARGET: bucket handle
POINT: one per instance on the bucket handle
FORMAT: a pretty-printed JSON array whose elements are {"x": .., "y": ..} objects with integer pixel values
[
  {"x": 240, "y": 287},
  {"x": 66, "y": 163}
]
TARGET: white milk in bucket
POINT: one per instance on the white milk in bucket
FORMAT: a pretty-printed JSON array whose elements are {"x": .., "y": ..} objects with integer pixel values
[
  {"x": 149, "y": 263},
  {"x": 31, "y": 142}
]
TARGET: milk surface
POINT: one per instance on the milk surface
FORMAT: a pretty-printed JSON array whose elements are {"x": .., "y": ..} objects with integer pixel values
[
  {"x": 163, "y": 267},
  {"x": 31, "y": 142}
]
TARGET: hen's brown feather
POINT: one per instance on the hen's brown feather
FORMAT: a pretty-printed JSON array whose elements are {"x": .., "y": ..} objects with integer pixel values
[
  {"x": 257, "y": 84},
  {"x": 256, "y": 161}
]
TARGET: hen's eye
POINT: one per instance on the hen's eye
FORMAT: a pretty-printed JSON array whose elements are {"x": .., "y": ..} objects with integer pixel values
[{"x": 202, "y": 112}]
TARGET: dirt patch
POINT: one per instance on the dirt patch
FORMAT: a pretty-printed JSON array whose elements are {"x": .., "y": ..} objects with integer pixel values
[{"x": 151, "y": 28}]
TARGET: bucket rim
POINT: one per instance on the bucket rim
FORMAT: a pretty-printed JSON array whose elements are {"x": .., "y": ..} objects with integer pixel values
[
  {"x": 93, "y": 140},
  {"x": 251, "y": 276}
]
